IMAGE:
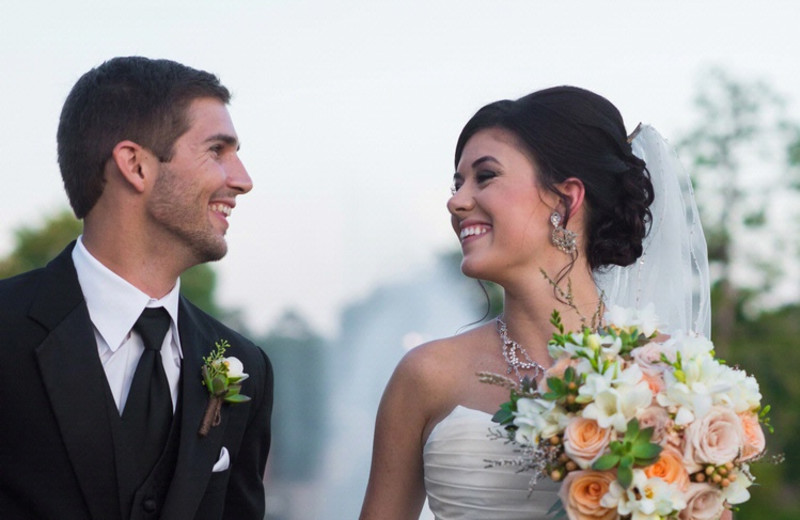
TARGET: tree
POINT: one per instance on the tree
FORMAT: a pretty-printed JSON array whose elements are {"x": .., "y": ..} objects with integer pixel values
[
  {"x": 744, "y": 152},
  {"x": 36, "y": 245}
]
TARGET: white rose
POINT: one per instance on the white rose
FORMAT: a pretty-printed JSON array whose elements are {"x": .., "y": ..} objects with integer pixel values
[{"x": 235, "y": 368}]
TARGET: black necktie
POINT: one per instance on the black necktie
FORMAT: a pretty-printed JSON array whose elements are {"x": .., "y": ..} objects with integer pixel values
[{"x": 147, "y": 416}]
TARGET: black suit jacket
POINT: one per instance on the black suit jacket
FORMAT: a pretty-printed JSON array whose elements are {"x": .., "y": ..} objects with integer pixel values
[{"x": 56, "y": 450}]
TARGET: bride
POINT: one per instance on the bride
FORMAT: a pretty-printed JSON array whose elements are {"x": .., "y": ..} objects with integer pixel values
[{"x": 547, "y": 184}]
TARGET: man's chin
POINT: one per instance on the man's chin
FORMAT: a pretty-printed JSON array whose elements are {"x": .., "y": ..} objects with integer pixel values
[{"x": 210, "y": 251}]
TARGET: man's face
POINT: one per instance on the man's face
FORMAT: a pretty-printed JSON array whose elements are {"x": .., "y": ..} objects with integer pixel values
[{"x": 195, "y": 191}]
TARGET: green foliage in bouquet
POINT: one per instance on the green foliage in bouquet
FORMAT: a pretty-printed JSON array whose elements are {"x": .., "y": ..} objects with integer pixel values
[
  {"x": 505, "y": 415},
  {"x": 635, "y": 449}
]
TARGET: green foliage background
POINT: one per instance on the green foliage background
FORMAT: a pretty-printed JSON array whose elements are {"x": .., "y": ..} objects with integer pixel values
[{"x": 35, "y": 245}]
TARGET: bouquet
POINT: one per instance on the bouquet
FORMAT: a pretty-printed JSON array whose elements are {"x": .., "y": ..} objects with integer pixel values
[{"x": 635, "y": 424}]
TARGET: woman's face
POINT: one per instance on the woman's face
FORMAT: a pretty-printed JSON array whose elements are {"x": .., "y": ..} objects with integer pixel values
[{"x": 499, "y": 212}]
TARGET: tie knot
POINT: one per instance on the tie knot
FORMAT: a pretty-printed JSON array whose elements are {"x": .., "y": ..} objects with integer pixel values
[{"x": 152, "y": 325}]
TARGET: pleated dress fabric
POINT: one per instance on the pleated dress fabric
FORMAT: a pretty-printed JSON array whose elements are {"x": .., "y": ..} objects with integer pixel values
[{"x": 461, "y": 487}]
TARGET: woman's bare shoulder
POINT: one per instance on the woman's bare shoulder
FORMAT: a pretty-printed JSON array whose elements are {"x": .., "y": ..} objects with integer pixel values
[
  {"x": 431, "y": 356},
  {"x": 438, "y": 368}
]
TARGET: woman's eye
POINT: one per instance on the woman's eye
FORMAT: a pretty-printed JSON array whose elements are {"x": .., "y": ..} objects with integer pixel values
[{"x": 484, "y": 176}]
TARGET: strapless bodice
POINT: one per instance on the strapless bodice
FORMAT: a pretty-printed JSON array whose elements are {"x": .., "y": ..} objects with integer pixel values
[{"x": 460, "y": 486}]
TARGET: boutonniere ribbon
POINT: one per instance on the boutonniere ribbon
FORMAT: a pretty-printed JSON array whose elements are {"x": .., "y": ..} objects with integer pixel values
[{"x": 222, "y": 377}]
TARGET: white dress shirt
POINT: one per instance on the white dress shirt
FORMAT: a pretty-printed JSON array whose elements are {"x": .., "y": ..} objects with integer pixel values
[{"x": 114, "y": 306}]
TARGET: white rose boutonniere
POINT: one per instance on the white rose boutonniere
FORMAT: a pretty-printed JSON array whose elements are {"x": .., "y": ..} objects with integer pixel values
[{"x": 223, "y": 377}]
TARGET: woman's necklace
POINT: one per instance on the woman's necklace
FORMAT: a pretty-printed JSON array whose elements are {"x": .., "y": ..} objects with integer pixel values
[{"x": 511, "y": 352}]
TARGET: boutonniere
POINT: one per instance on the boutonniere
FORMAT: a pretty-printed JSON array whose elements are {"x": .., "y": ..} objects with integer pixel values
[{"x": 223, "y": 377}]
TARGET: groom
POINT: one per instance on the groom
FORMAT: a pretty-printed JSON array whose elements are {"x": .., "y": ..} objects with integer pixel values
[{"x": 101, "y": 393}]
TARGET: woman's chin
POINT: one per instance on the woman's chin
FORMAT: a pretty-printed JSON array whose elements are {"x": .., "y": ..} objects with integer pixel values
[{"x": 477, "y": 270}]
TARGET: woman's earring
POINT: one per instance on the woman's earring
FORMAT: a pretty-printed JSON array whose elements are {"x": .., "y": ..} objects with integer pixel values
[{"x": 563, "y": 238}]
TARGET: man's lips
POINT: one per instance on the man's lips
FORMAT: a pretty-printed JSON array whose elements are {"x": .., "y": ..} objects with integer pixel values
[{"x": 219, "y": 207}]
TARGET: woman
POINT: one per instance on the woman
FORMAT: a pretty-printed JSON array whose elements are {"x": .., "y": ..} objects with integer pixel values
[{"x": 547, "y": 189}]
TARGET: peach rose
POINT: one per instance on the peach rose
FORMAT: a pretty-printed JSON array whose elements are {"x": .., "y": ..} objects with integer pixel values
[
  {"x": 585, "y": 441},
  {"x": 581, "y": 493},
  {"x": 655, "y": 382},
  {"x": 657, "y": 418},
  {"x": 716, "y": 438},
  {"x": 754, "y": 442},
  {"x": 703, "y": 502},
  {"x": 669, "y": 468}
]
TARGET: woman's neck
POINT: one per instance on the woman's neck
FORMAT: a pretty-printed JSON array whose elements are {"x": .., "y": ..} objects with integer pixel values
[{"x": 529, "y": 305}]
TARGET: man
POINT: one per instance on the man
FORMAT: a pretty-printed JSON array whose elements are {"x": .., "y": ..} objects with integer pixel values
[{"x": 101, "y": 392}]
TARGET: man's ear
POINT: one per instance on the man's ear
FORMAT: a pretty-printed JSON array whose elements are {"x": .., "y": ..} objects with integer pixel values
[
  {"x": 131, "y": 160},
  {"x": 575, "y": 192}
]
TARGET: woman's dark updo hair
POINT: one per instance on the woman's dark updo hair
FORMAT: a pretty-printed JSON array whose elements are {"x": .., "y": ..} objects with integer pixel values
[{"x": 571, "y": 132}]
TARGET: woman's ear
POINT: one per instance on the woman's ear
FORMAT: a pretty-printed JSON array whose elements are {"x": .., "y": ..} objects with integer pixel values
[
  {"x": 131, "y": 160},
  {"x": 574, "y": 191}
]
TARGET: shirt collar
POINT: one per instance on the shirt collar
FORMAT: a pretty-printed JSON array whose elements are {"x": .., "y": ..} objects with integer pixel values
[{"x": 114, "y": 304}]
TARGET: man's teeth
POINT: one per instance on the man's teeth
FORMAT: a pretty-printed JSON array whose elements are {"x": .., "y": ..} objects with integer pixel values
[
  {"x": 473, "y": 230},
  {"x": 221, "y": 208}
]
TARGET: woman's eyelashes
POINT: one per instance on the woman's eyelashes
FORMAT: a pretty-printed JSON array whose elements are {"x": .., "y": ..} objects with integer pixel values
[
  {"x": 485, "y": 175},
  {"x": 481, "y": 178}
]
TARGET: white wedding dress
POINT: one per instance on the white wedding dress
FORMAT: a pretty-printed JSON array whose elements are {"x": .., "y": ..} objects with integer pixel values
[{"x": 459, "y": 484}]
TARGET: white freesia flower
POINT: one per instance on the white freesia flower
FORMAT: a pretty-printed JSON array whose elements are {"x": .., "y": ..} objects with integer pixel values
[
  {"x": 615, "y": 401},
  {"x": 645, "y": 499},
  {"x": 593, "y": 341},
  {"x": 736, "y": 492},
  {"x": 644, "y": 319},
  {"x": 691, "y": 345},
  {"x": 620, "y": 316},
  {"x": 692, "y": 388},
  {"x": 609, "y": 347},
  {"x": 691, "y": 402},
  {"x": 647, "y": 320},
  {"x": 536, "y": 419},
  {"x": 594, "y": 384}
]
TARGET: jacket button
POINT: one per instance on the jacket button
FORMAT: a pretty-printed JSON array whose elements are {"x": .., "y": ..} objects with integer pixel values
[{"x": 149, "y": 505}]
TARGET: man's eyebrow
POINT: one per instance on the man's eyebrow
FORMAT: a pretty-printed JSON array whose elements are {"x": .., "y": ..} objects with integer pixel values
[{"x": 225, "y": 138}]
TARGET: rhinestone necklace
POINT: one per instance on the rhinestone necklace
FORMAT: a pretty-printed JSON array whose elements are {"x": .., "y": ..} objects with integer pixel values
[{"x": 512, "y": 351}]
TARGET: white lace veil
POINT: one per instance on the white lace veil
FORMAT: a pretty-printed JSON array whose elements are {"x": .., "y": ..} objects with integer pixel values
[{"x": 672, "y": 272}]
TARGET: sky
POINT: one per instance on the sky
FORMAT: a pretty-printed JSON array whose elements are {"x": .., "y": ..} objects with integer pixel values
[{"x": 348, "y": 111}]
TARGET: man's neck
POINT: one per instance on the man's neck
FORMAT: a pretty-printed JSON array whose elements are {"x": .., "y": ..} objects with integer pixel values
[{"x": 153, "y": 274}]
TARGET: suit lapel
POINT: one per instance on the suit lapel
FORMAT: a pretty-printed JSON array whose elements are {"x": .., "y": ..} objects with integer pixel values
[
  {"x": 76, "y": 384},
  {"x": 196, "y": 454}
]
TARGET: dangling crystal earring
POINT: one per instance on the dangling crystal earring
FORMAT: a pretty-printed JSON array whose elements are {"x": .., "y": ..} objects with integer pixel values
[{"x": 563, "y": 238}]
